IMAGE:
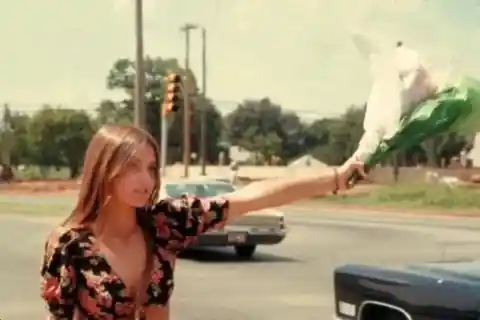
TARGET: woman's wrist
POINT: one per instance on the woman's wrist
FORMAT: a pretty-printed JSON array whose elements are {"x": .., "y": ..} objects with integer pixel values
[{"x": 336, "y": 181}]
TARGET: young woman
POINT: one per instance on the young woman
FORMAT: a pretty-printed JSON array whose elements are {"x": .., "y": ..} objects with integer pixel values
[{"x": 113, "y": 257}]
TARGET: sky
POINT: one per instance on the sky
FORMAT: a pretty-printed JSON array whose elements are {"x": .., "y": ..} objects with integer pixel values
[{"x": 297, "y": 52}]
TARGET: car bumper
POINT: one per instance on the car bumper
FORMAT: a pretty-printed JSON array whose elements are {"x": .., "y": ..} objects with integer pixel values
[{"x": 235, "y": 238}]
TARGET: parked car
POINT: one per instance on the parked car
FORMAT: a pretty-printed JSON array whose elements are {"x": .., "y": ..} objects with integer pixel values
[
  {"x": 245, "y": 233},
  {"x": 430, "y": 291},
  {"x": 223, "y": 178}
]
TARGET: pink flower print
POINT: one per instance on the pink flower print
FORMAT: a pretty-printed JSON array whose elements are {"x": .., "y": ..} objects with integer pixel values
[
  {"x": 124, "y": 308},
  {"x": 162, "y": 229},
  {"x": 105, "y": 299},
  {"x": 163, "y": 255},
  {"x": 108, "y": 278},
  {"x": 50, "y": 289},
  {"x": 91, "y": 279},
  {"x": 88, "y": 253},
  {"x": 88, "y": 303},
  {"x": 157, "y": 275}
]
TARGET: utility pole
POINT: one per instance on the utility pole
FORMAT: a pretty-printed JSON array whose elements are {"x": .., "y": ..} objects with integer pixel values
[
  {"x": 139, "y": 104},
  {"x": 203, "y": 116},
  {"x": 186, "y": 98}
]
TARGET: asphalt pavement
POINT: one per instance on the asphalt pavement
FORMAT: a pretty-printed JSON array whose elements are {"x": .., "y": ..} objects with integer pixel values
[{"x": 292, "y": 280}]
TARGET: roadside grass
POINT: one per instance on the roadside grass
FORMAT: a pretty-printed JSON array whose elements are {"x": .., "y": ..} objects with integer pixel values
[
  {"x": 36, "y": 205},
  {"x": 397, "y": 196},
  {"x": 416, "y": 196}
]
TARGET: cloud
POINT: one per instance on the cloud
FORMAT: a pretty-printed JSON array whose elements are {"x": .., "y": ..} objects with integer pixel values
[
  {"x": 317, "y": 37},
  {"x": 276, "y": 48}
]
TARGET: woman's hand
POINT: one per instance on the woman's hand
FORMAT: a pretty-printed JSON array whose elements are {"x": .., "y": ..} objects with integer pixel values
[{"x": 347, "y": 170}]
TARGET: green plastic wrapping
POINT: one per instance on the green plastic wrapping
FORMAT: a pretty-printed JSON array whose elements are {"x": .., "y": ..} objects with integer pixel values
[{"x": 456, "y": 108}]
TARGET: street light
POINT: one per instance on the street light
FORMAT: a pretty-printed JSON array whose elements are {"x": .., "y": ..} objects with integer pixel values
[
  {"x": 186, "y": 89},
  {"x": 186, "y": 116},
  {"x": 203, "y": 121}
]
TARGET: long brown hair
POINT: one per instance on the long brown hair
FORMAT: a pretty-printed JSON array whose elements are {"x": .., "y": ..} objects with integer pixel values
[{"x": 110, "y": 149}]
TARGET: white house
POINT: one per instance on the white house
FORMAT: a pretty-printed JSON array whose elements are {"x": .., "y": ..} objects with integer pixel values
[{"x": 306, "y": 161}]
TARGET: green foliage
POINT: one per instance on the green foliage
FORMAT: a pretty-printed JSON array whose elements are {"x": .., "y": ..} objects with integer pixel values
[
  {"x": 262, "y": 127},
  {"x": 57, "y": 136},
  {"x": 51, "y": 137},
  {"x": 122, "y": 77}
]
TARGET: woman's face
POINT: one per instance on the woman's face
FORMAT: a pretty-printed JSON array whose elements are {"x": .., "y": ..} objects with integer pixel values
[{"x": 136, "y": 185}]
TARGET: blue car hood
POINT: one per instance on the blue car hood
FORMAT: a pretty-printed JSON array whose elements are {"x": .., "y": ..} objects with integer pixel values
[{"x": 467, "y": 270}]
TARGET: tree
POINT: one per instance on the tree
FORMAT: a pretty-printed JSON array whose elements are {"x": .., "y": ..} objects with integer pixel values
[
  {"x": 260, "y": 126},
  {"x": 334, "y": 140},
  {"x": 60, "y": 137},
  {"x": 6, "y": 136},
  {"x": 7, "y": 141},
  {"x": 449, "y": 146},
  {"x": 293, "y": 136},
  {"x": 122, "y": 77},
  {"x": 214, "y": 124},
  {"x": 113, "y": 112},
  {"x": 22, "y": 148}
]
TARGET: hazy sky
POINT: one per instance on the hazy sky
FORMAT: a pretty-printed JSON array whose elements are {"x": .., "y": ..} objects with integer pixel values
[{"x": 298, "y": 52}]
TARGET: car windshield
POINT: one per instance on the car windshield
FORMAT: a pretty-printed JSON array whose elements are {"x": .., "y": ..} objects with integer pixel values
[{"x": 198, "y": 189}]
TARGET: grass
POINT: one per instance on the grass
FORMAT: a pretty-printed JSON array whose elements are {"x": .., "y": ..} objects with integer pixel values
[
  {"x": 408, "y": 196},
  {"x": 36, "y": 205},
  {"x": 417, "y": 196}
]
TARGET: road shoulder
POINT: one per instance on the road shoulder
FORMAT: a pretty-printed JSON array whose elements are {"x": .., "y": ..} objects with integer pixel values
[{"x": 323, "y": 206}]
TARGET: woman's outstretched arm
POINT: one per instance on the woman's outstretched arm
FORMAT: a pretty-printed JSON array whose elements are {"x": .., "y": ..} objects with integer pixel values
[
  {"x": 281, "y": 191},
  {"x": 178, "y": 222}
]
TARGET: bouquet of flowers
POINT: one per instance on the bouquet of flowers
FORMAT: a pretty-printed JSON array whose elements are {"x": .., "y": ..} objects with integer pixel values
[{"x": 406, "y": 108}]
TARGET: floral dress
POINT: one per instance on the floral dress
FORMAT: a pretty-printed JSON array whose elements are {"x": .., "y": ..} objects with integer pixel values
[{"x": 77, "y": 278}]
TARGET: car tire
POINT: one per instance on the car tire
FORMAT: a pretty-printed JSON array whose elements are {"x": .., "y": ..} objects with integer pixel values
[{"x": 245, "y": 251}]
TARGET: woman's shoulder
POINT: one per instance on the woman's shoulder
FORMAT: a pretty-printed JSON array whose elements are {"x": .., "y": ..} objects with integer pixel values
[
  {"x": 168, "y": 205},
  {"x": 64, "y": 238},
  {"x": 163, "y": 206}
]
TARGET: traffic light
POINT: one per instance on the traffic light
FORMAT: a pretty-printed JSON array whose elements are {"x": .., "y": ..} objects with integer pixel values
[{"x": 173, "y": 93}]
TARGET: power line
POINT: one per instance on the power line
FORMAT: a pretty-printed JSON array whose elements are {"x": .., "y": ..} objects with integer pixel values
[{"x": 223, "y": 106}]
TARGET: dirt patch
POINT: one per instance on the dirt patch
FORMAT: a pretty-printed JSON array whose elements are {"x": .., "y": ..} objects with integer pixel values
[{"x": 40, "y": 186}]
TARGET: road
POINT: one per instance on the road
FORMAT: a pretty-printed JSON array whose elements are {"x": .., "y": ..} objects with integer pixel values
[{"x": 287, "y": 281}]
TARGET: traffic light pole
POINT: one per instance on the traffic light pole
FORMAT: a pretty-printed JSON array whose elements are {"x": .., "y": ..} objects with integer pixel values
[
  {"x": 173, "y": 88},
  {"x": 163, "y": 145}
]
